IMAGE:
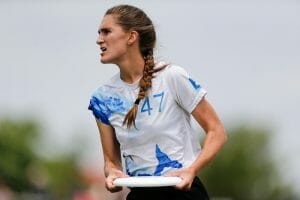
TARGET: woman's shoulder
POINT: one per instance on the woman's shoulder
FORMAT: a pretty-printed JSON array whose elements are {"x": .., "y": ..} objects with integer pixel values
[
  {"x": 107, "y": 86},
  {"x": 170, "y": 69}
]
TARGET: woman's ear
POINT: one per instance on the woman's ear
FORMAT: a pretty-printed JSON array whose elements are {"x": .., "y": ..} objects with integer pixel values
[{"x": 133, "y": 37}]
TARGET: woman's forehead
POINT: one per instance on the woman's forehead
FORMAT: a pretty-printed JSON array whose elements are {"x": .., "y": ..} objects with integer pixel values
[{"x": 108, "y": 20}]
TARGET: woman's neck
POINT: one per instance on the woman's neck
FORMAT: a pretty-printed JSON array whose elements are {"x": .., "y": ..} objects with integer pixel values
[{"x": 132, "y": 69}]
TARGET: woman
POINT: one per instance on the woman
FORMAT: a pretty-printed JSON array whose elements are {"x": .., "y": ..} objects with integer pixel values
[{"x": 143, "y": 113}]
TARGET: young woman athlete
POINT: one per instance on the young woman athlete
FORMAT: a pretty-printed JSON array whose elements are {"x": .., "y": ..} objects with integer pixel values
[{"x": 144, "y": 112}]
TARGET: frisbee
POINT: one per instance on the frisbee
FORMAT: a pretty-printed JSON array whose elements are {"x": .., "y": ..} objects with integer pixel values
[{"x": 147, "y": 181}]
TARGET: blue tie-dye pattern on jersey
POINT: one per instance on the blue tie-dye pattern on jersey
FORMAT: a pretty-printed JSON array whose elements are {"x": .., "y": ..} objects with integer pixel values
[
  {"x": 194, "y": 84},
  {"x": 129, "y": 164},
  {"x": 99, "y": 109},
  {"x": 164, "y": 161},
  {"x": 104, "y": 107}
]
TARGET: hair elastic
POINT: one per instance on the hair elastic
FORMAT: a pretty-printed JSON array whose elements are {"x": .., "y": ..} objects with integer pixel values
[{"x": 137, "y": 101}]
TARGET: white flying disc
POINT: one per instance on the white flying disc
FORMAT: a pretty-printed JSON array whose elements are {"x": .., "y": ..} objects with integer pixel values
[{"x": 147, "y": 181}]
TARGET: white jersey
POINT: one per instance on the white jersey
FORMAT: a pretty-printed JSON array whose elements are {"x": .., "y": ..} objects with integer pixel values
[{"x": 163, "y": 139}]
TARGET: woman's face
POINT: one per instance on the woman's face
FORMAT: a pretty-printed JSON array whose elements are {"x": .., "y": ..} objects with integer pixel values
[{"x": 113, "y": 40}]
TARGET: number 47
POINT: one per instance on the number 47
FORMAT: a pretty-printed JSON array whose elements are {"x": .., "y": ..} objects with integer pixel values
[{"x": 147, "y": 107}]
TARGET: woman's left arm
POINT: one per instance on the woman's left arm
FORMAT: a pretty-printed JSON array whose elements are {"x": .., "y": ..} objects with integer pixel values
[{"x": 214, "y": 140}]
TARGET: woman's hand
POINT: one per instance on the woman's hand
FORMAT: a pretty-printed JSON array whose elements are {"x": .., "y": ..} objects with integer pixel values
[
  {"x": 112, "y": 175},
  {"x": 187, "y": 175}
]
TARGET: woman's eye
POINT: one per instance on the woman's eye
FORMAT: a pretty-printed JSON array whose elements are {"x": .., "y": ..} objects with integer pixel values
[{"x": 104, "y": 31}]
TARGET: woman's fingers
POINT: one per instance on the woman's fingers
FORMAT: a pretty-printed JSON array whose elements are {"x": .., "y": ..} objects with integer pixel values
[
  {"x": 110, "y": 179},
  {"x": 186, "y": 176},
  {"x": 183, "y": 185}
]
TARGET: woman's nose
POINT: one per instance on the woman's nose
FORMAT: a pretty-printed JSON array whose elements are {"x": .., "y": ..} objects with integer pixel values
[{"x": 99, "y": 40}]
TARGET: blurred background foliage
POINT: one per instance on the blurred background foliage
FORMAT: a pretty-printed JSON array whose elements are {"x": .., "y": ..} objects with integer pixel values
[
  {"x": 245, "y": 168},
  {"x": 24, "y": 171}
]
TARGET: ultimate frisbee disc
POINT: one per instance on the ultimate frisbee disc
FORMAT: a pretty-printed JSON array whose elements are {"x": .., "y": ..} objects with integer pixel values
[{"x": 147, "y": 181}]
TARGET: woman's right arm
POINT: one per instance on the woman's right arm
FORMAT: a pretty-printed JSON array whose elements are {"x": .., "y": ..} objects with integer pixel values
[{"x": 112, "y": 156}]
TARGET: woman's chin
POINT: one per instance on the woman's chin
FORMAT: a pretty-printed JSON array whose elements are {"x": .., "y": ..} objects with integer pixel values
[
  {"x": 107, "y": 60},
  {"x": 104, "y": 61}
]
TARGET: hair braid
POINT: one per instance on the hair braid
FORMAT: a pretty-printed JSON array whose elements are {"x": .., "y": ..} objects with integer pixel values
[{"x": 145, "y": 83}]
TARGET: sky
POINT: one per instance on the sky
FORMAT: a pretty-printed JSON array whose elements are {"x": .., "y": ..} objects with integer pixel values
[{"x": 245, "y": 53}]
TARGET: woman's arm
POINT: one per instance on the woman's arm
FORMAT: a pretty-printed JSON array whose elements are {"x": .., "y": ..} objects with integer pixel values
[
  {"x": 215, "y": 138},
  {"x": 215, "y": 134},
  {"x": 112, "y": 157}
]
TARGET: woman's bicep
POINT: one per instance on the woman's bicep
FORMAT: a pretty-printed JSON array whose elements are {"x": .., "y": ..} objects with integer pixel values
[{"x": 206, "y": 116}]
